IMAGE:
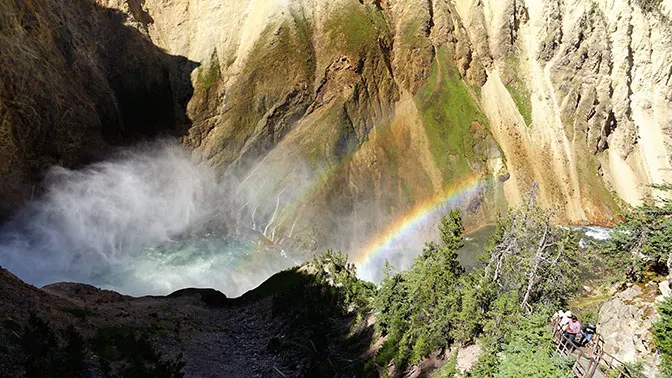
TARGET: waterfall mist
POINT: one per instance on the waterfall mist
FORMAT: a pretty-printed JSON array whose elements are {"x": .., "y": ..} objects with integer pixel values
[
  {"x": 153, "y": 219},
  {"x": 102, "y": 224}
]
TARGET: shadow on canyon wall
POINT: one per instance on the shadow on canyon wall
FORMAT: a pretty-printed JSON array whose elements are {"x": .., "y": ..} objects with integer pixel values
[{"x": 75, "y": 83}]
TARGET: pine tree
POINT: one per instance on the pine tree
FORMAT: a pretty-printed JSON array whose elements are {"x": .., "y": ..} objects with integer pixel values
[
  {"x": 418, "y": 309},
  {"x": 643, "y": 240},
  {"x": 533, "y": 257},
  {"x": 663, "y": 335}
]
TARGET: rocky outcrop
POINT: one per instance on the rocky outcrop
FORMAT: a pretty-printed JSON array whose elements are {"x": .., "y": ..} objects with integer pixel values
[
  {"x": 356, "y": 94},
  {"x": 625, "y": 325},
  {"x": 250, "y": 336},
  {"x": 467, "y": 357},
  {"x": 566, "y": 91},
  {"x": 593, "y": 79}
]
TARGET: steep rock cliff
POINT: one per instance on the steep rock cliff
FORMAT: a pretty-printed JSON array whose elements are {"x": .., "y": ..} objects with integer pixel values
[
  {"x": 74, "y": 82},
  {"x": 342, "y": 115},
  {"x": 355, "y": 110},
  {"x": 625, "y": 322},
  {"x": 591, "y": 79},
  {"x": 575, "y": 94}
]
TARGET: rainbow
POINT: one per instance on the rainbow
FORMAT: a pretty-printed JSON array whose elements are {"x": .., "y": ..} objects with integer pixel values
[{"x": 418, "y": 217}]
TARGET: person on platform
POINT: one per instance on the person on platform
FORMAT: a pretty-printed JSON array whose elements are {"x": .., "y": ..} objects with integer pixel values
[{"x": 573, "y": 332}]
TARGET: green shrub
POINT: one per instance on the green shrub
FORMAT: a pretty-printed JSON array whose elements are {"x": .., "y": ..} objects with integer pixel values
[
  {"x": 642, "y": 242},
  {"x": 663, "y": 335},
  {"x": 531, "y": 353},
  {"x": 449, "y": 369}
]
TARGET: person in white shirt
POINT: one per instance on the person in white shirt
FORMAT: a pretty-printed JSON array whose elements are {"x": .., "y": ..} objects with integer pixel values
[{"x": 565, "y": 319}]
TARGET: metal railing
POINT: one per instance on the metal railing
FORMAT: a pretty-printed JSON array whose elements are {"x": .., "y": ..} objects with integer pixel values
[{"x": 591, "y": 360}]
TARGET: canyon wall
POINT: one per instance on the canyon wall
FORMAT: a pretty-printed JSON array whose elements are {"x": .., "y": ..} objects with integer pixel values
[
  {"x": 74, "y": 83},
  {"x": 330, "y": 116}
]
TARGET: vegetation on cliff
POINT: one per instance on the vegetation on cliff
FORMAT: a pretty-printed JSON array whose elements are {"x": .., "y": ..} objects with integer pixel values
[
  {"x": 640, "y": 249},
  {"x": 530, "y": 266},
  {"x": 663, "y": 335},
  {"x": 44, "y": 350},
  {"x": 323, "y": 315},
  {"x": 529, "y": 352},
  {"x": 643, "y": 240},
  {"x": 530, "y": 269},
  {"x": 451, "y": 118}
]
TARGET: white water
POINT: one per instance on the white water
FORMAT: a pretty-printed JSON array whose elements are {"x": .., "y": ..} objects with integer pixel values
[
  {"x": 597, "y": 233},
  {"x": 592, "y": 233},
  {"x": 135, "y": 223},
  {"x": 151, "y": 221}
]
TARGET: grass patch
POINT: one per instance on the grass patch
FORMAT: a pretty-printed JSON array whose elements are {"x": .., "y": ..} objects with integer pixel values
[
  {"x": 449, "y": 369},
  {"x": 448, "y": 111},
  {"x": 207, "y": 78},
  {"x": 517, "y": 88},
  {"x": 591, "y": 183},
  {"x": 280, "y": 59},
  {"x": 413, "y": 32},
  {"x": 521, "y": 96},
  {"x": 356, "y": 28},
  {"x": 587, "y": 308}
]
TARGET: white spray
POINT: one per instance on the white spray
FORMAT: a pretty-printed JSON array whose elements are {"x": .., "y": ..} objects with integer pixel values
[{"x": 106, "y": 213}]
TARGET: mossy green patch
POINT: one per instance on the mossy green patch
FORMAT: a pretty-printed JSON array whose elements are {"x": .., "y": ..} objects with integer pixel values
[
  {"x": 521, "y": 97},
  {"x": 448, "y": 111},
  {"x": 392, "y": 180},
  {"x": 517, "y": 88},
  {"x": 406, "y": 193},
  {"x": 413, "y": 32},
  {"x": 593, "y": 184},
  {"x": 281, "y": 60},
  {"x": 209, "y": 76},
  {"x": 356, "y": 28}
]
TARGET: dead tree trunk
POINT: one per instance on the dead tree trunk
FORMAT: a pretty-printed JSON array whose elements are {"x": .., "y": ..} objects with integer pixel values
[{"x": 538, "y": 257}]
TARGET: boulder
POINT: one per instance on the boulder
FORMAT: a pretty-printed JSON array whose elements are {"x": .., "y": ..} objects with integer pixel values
[
  {"x": 624, "y": 322},
  {"x": 664, "y": 288},
  {"x": 467, "y": 357}
]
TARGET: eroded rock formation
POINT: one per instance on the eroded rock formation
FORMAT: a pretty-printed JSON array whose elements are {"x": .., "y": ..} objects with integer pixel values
[
  {"x": 329, "y": 116},
  {"x": 625, "y": 324},
  {"x": 74, "y": 82}
]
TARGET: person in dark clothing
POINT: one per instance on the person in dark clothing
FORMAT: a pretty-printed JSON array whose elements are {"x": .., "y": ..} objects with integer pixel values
[{"x": 587, "y": 333}]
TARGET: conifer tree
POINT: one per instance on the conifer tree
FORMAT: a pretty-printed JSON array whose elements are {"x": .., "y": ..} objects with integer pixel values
[
  {"x": 663, "y": 335},
  {"x": 533, "y": 257},
  {"x": 644, "y": 239},
  {"x": 418, "y": 309}
]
